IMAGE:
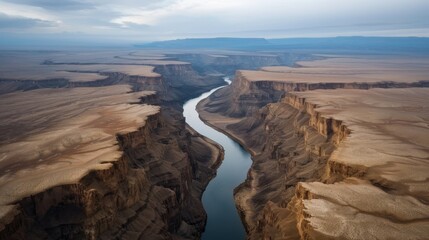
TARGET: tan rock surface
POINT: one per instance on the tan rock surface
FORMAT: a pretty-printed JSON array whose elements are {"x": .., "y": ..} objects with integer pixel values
[
  {"x": 348, "y": 69},
  {"x": 389, "y": 148},
  {"x": 356, "y": 209},
  {"x": 31, "y": 67},
  {"x": 97, "y": 163},
  {"x": 55, "y": 137},
  {"x": 331, "y": 164}
]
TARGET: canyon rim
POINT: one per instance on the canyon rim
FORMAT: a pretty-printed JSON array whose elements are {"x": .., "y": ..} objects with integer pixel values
[{"x": 140, "y": 120}]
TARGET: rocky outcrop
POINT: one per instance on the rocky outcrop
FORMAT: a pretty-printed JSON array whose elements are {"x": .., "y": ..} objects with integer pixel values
[
  {"x": 293, "y": 146},
  {"x": 241, "y": 98},
  {"x": 296, "y": 146},
  {"x": 182, "y": 82},
  {"x": 12, "y": 85},
  {"x": 244, "y": 96},
  {"x": 176, "y": 82},
  {"x": 290, "y": 142},
  {"x": 361, "y": 188},
  {"x": 153, "y": 191}
]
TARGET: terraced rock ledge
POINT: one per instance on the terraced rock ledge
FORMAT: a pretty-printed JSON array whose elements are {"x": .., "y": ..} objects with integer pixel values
[
  {"x": 97, "y": 147},
  {"x": 340, "y": 148},
  {"x": 101, "y": 150},
  {"x": 94, "y": 144}
]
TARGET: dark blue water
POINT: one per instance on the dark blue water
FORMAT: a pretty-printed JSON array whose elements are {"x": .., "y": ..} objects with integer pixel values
[{"x": 223, "y": 220}]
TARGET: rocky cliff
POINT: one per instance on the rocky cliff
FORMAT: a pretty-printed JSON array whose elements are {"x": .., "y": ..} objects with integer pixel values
[
  {"x": 150, "y": 188},
  {"x": 245, "y": 96},
  {"x": 308, "y": 179},
  {"x": 173, "y": 80},
  {"x": 182, "y": 82},
  {"x": 291, "y": 146},
  {"x": 152, "y": 191}
]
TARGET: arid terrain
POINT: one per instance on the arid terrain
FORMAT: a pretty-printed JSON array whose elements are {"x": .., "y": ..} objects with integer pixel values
[
  {"x": 214, "y": 119},
  {"x": 339, "y": 145},
  {"x": 85, "y": 153},
  {"x": 95, "y": 146}
]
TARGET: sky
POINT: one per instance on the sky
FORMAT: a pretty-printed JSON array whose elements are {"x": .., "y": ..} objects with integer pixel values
[{"x": 139, "y": 21}]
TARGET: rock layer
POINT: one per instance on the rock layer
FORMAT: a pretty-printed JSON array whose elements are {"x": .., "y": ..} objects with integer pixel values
[
  {"x": 227, "y": 62},
  {"x": 145, "y": 182},
  {"x": 89, "y": 166},
  {"x": 388, "y": 150},
  {"x": 328, "y": 164}
]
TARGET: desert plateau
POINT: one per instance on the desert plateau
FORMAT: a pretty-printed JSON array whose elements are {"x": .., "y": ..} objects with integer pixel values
[{"x": 188, "y": 120}]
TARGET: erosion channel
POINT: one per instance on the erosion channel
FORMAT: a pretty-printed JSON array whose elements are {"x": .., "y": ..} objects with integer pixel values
[{"x": 223, "y": 220}]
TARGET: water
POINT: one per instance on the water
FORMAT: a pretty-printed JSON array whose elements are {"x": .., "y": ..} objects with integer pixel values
[{"x": 223, "y": 221}]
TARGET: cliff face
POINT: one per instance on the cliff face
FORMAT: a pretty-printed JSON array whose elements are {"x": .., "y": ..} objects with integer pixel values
[
  {"x": 226, "y": 63},
  {"x": 292, "y": 145},
  {"x": 174, "y": 81},
  {"x": 152, "y": 190},
  {"x": 245, "y": 96},
  {"x": 182, "y": 82},
  {"x": 242, "y": 98},
  {"x": 290, "y": 142},
  {"x": 371, "y": 189},
  {"x": 323, "y": 160}
]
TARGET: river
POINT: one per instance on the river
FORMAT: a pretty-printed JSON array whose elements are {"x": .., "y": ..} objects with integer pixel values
[{"x": 223, "y": 221}]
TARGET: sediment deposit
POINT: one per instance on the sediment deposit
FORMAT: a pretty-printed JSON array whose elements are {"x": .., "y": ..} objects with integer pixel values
[{"x": 346, "y": 163}]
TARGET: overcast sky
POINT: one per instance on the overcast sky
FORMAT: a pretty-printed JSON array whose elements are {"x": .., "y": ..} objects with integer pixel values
[{"x": 147, "y": 20}]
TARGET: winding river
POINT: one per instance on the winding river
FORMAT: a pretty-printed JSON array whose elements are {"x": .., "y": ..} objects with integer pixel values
[{"x": 223, "y": 221}]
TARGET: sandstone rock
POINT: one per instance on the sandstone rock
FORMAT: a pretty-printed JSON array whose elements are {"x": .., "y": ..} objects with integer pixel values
[{"x": 330, "y": 164}]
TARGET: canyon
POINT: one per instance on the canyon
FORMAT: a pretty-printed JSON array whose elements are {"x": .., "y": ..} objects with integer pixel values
[
  {"x": 97, "y": 158},
  {"x": 95, "y": 145},
  {"x": 339, "y": 147}
]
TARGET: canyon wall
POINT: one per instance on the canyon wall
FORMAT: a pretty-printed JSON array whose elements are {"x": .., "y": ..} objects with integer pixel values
[
  {"x": 245, "y": 96},
  {"x": 175, "y": 82},
  {"x": 151, "y": 191},
  {"x": 182, "y": 82},
  {"x": 299, "y": 185},
  {"x": 227, "y": 62}
]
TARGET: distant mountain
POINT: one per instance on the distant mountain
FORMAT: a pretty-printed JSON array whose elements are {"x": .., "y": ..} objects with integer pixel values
[
  {"x": 355, "y": 44},
  {"x": 408, "y": 44},
  {"x": 207, "y": 43}
]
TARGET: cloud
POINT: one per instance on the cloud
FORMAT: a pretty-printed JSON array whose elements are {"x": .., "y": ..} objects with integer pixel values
[
  {"x": 195, "y": 17},
  {"x": 11, "y": 22},
  {"x": 139, "y": 20},
  {"x": 180, "y": 8},
  {"x": 24, "y": 11},
  {"x": 57, "y": 5}
]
